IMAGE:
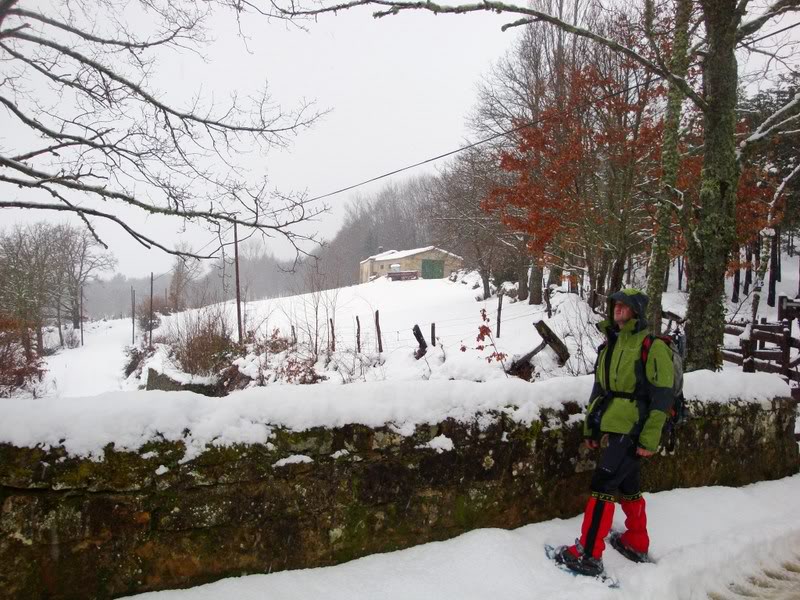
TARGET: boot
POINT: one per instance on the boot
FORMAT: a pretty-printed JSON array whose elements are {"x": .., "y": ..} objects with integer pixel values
[
  {"x": 573, "y": 558},
  {"x": 635, "y": 537},
  {"x": 597, "y": 520},
  {"x": 615, "y": 539}
]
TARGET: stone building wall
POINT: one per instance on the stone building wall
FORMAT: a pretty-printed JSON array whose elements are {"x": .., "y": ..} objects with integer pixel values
[{"x": 139, "y": 521}]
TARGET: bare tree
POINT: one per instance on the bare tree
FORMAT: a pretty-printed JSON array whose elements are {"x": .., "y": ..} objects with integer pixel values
[
  {"x": 459, "y": 221},
  {"x": 91, "y": 134},
  {"x": 80, "y": 259},
  {"x": 185, "y": 272}
]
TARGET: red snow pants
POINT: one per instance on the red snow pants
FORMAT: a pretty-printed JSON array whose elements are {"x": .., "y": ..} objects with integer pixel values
[{"x": 617, "y": 471}]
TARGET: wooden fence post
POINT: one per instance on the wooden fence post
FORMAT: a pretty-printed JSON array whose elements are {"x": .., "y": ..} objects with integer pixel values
[
  {"x": 433, "y": 334},
  {"x": 786, "y": 347},
  {"x": 499, "y": 313},
  {"x": 378, "y": 331},
  {"x": 358, "y": 335},
  {"x": 547, "y": 302},
  {"x": 748, "y": 361},
  {"x": 423, "y": 345},
  {"x": 761, "y": 343},
  {"x": 333, "y": 337},
  {"x": 294, "y": 336}
]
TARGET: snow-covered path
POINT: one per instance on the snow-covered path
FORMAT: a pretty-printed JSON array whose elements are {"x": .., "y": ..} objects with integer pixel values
[
  {"x": 708, "y": 542},
  {"x": 94, "y": 368}
]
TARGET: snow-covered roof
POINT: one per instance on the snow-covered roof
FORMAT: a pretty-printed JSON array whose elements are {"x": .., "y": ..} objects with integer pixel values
[{"x": 397, "y": 255}]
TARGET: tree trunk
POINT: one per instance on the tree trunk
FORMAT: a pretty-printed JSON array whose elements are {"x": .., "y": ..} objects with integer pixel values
[
  {"x": 600, "y": 280},
  {"x": 75, "y": 307},
  {"x": 536, "y": 284},
  {"x": 25, "y": 340},
  {"x": 715, "y": 234},
  {"x": 522, "y": 277},
  {"x": 39, "y": 339},
  {"x": 737, "y": 279},
  {"x": 680, "y": 272},
  {"x": 773, "y": 270},
  {"x": 617, "y": 275},
  {"x": 748, "y": 274},
  {"x": 762, "y": 271},
  {"x": 58, "y": 323},
  {"x": 485, "y": 280},
  {"x": 629, "y": 272},
  {"x": 659, "y": 265},
  {"x": 554, "y": 278}
]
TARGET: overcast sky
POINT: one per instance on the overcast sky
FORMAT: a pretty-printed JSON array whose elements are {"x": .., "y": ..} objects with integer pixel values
[{"x": 399, "y": 90}]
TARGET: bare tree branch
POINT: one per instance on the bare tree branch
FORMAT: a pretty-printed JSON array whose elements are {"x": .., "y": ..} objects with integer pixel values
[{"x": 393, "y": 7}]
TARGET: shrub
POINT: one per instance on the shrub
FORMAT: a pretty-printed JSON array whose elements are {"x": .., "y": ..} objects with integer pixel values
[
  {"x": 16, "y": 370},
  {"x": 201, "y": 340},
  {"x": 160, "y": 307}
]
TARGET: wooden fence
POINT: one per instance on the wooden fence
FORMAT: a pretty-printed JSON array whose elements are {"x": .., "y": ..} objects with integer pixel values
[{"x": 753, "y": 354}]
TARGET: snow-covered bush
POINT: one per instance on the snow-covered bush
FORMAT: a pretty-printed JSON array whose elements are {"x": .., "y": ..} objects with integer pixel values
[
  {"x": 18, "y": 369},
  {"x": 201, "y": 340}
]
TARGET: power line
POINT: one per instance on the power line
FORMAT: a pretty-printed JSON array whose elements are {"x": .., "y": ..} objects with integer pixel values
[
  {"x": 463, "y": 148},
  {"x": 441, "y": 156}
]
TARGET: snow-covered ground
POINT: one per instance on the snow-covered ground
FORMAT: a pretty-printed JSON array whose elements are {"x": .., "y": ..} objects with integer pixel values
[
  {"x": 451, "y": 306},
  {"x": 704, "y": 540},
  {"x": 93, "y": 368}
]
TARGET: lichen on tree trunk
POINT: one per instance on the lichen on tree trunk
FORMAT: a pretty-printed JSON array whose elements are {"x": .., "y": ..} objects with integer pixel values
[
  {"x": 714, "y": 234},
  {"x": 659, "y": 263}
]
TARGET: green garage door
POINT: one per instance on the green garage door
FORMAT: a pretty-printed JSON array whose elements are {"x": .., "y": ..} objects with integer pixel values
[{"x": 432, "y": 269}]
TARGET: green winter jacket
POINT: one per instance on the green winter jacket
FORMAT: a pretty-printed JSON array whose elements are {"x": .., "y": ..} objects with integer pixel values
[{"x": 645, "y": 415}]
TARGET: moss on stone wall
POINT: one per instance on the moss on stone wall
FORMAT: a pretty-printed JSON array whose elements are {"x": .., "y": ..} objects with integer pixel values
[{"x": 149, "y": 520}]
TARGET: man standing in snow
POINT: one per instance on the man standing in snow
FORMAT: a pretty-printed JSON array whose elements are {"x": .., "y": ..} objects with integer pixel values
[{"x": 627, "y": 411}]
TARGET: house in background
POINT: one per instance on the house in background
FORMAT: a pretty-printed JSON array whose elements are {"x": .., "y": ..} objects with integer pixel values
[{"x": 429, "y": 263}]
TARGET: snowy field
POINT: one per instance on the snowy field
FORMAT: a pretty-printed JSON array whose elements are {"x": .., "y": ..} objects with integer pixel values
[
  {"x": 452, "y": 306},
  {"x": 704, "y": 540}
]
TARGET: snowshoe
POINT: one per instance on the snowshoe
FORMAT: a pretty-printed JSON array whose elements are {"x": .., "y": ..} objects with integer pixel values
[
  {"x": 615, "y": 539},
  {"x": 586, "y": 566}
]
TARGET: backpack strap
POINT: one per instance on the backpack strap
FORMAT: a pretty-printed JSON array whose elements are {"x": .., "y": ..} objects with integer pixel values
[{"x": 647, "y": 342}]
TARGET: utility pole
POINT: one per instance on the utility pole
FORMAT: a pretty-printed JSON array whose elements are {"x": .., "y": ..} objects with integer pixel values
[
  {"x": 238, "y": 296},
  {"x": 133, "y": 316},
  {"x": 151, "y": 310},
  {"x": 81, "y": 316}
]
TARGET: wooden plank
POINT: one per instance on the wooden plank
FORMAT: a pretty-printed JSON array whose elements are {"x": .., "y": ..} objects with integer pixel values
[
  {"x": 766, "y": 367},
  {"x": 765, "y": 336},
  {"x": 553, "y": 341},
  {"x": 734, "y": 330},
  {"x": 732, "y": 357},
  {"x": 768, "y": 354},
  {"x": 768, "y": 327}
]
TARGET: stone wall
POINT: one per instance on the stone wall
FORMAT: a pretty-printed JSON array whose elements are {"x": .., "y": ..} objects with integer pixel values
[{"x": 76, "y": 528}]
